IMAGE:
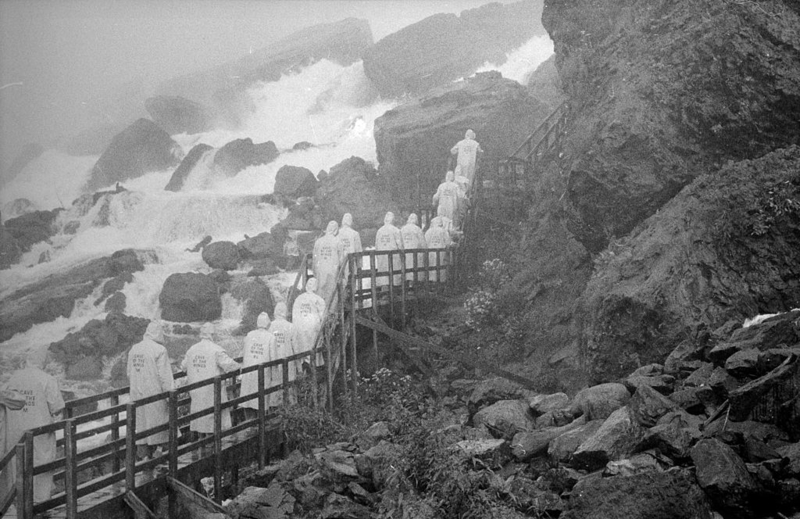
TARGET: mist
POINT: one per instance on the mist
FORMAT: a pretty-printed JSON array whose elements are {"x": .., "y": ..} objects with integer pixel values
[{"x": 64, "y": 65}]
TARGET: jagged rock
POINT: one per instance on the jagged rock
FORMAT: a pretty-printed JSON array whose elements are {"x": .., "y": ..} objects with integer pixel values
[
  {"x": 413, "y": 140},
  {"x": 664, "y": 384},
  {"x": 272, "y": 502},
  {"x": 265, "y": 267},
  {"x": 746, "y": 397},
  {"x": 255, "y": 297},
  {"x": 722, "y": 382},
  {"x": 176, "y": 114},
  {"x": 373, "y": 435},
  {"x": 86, "y": 368},
  {"x": 700, "y": 376},
  {"x": 791, "y": 452},
  {"x": 541, "y": 404},
  {"x": 295, "y": 181},
  {"x": 723, "y": 476},
  {"x": 190, "y": 297},
  {"x": 526, "y": 445},
  {"x": 562, "y": 447},
  {"x": 743, "y": 363},
  {"x": 673, "y": 494},
  {"x": 648, "y": 405},
  {"x": 222, "y": 255},
  {"x": 637, "y": 464},
  {"x": 684, "y": 358},
  {"x": 337, "y": 464},
  {"x": 261, "y": 246},
  {"x": 239, "y": 154},
  {"x": 116, "y": 303},
  {"x": 756, "y": 451},
  {"x": 186, "y": 166},
  {"x": 765, "y": 432},
  {"x": 31, "y": 228},
  {"x": 55, "y": 295},
  {"x": 555, "y": 418},
  {"x": 491, "y": 390},
  {"x": 10, "y": 251},
  {"x": 141, "y": 148},
  {"x": 673, "y": 435},
  {"x": 292, "y": 467},
  {"x": 353, "y": 186},
  {"x": 446, "y": 47},
  {"x": 600, "y": 401},
  {"x": 615, "y": 439},
  {"x": 505, "y": 418},
  {"x": 338, "y": 506},
  {"x": 309, "y": 489},
  {"x": 688, "y": 399}
]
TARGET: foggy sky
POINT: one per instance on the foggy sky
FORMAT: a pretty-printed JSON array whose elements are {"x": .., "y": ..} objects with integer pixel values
[{"x": 72, "y": 56}]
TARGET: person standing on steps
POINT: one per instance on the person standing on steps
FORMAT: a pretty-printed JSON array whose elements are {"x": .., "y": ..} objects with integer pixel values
[
  {"x": 203, "y": 361},
  {"x": 437, "y": 238},
  {"x": 308, "y": 313},
  {"x": 447, "y": 198},
  {"x": 351, "y": 240},
  {"x": 328, "y": 255},
  {"x": 388, "y": 238},
  {"x": 150, "y": 373},
  {"x": 281, "y": 330},
  {"x": 43, "y": 406},
  {"x": 466, "y": 151},
  {"x": 413, "y": 238},
  {"x": 259, "y": 346}
]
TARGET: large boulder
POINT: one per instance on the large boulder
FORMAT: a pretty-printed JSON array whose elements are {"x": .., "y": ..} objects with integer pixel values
[
  {"x": 598, "y": 402},
  {"x": 186, "y": 166},
  {"x": 242, "y": 153},
  {"x": 141, "y": 148},
  {"x": 724, "y": 477},
  {"x": 446, "y": 47},
  {"x": 354, "y": 186},
  {"x": 615, "y": 439},
  {"x": 31, "y": 228},
  {"x": 176, "y": 114},
  {"x": 10, "y": 251},
  {"x": 190, "y": 297},
  {"x": 413, "y": 141},
  {"x": 261, "y": 246},
  {"x": 491, "y": 390},
  {"x": 223, "y": 255},
  {"x": 655, "y": 495},
  {"x": 562, "y": 447},
  {"x": 295, "y": 181},
  {"x": 505, "y": 418},
  {"x": 255, "y": 297}
]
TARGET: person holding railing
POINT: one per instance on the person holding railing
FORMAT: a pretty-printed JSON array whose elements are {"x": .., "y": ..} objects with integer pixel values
[
  {"x": 437, "y": 238},
  {"x": 351, "y": 240},
  {"x": 308, "y": 313},
  {"x": 203, "y": 361},
  {"x": 259, "y": 347},
  {"x": 413, "y": 238},
  {"x": 43, "y": 406},
  {"x": 388, "y": 238},
  {"x": 281, "y": 330},
  {"x": 328, "y": 255},
  {"x": 467, "y": 151},
  {"x": 150, "y": 373}
]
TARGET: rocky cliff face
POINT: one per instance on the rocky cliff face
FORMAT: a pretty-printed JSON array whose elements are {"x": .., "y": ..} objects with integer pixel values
[
  {"x": 662, "y": 92},
  {"x": 445, "y": 47},
  {"x": 414, "y": 140}
]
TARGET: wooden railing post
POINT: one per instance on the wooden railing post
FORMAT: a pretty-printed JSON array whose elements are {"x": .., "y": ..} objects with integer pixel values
[
  {"x": 403, "y": 290},
  {"x": 262, "y": 418},
  {"x": 329, "y": 365},
  {"x": 70, "y": 473},
  {"x": 173, "y": 433},
  {"x": 353, "y": 311},
  {"x": 217, "y": 438},
  {"x": 115, "y": 463},
  {"x": 130, "y": 446},
  {"x": 372, "y": 268},
  {"x": 285, "y": 377},
  {"x": 343, "y": 335},
  {"x": 25, "y": 476},
  {"x": 391, "y": 286}
]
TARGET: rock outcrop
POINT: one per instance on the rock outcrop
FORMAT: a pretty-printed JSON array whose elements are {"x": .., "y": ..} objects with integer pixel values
[
  {"x": 413, "y": 141},
  {"x": 141, "y": 148},
  {"x": 178, "y": 115},
  {"x": 190, "y": 297},
  {"x": 295, "y": 181},
  {"x": 186, "y": 166},
  {"x": 242, "y": 153},
  {"x": 446, "y": 47}
]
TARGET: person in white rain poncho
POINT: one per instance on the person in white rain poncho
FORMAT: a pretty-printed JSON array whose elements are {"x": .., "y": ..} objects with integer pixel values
[
  {"x": 413, "y": 238},
  {"x": 437, "y": 238},
  {"x": 206, "y": 360},
  {"x": 308, "y": 312},
  {"x": 388, "y": 237},
  {"x": 467, "y": 151},
  {"x": 447, "y": 223},
  {"x": 150, "y": 373},
  {"x": 281, "y": 330},
  {"x": 259, "y": 347},
  {"x": 43, "y": 406},
  {"x": 9, "y": 401},
  {"x": 351, "y": 240},
  {"x": 328, "y": 255},
  {"x": 447, "y": 197}
]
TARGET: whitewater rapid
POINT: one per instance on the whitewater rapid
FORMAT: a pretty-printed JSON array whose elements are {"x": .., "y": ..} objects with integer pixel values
[{"x": 331, "y": 106}]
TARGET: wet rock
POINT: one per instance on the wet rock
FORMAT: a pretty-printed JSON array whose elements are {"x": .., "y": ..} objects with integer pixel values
[
  {"x": 685, "y": 358},
  {"x": 562, "y": 447},
  {"x": 222, "y": 255},
  {"x": 648, "y": 405},
  {"x": 541, "y": 404},
  {"x": 756, "y": 451},
  {"x": 10, "y": 251},
  {"x": 673, "y": 494},
  {"x": 791, "y": 453},
  {"x": 723, "y": 476},
  {"x": 190, "y": 297},
  {"x": 31, "y": 228},
  {"x": 491, "y": 390},
  {"x": 600, "y": 401},
  {"x": 255, "y": 297},
  {"x": 674, "y": 435},
  {"x": 295, "y": 181},
  {"x": 743, "y": 363},
  {"x": 86, "y": 368},
  {"x": 176, "y": 114},
  {"x": 505, "y": 418},
  {"x": 615, "y": 439},
  {"x": 746, "y": 397},
  {"x": 186, "y": 166},
  {"x": 722, "y": 382},
  {"x": 239, "y": 154},
  {"x": 261, "y": 246},
  {"x": 688, "y": 399},
  {"x": 116, "y": 303},
  {"x": 700, "y": 376},
  {"x": 526, "y": 445},
  {"x": 765, "y": 432},
  {"x": 637, "y": 464},
  {"x": 661, "y": 383},
  {"x": 141, "y": 148}
]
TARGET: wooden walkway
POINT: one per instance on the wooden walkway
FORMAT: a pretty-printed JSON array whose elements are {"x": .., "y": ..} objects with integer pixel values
[{"x": 96, "y": 471}]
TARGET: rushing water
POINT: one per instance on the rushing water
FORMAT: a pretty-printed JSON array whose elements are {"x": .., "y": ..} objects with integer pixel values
[{"x": 328, "y": 105}]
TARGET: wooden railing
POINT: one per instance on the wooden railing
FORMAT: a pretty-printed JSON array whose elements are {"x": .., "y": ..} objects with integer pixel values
[{"x": 525, "y": 158}]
